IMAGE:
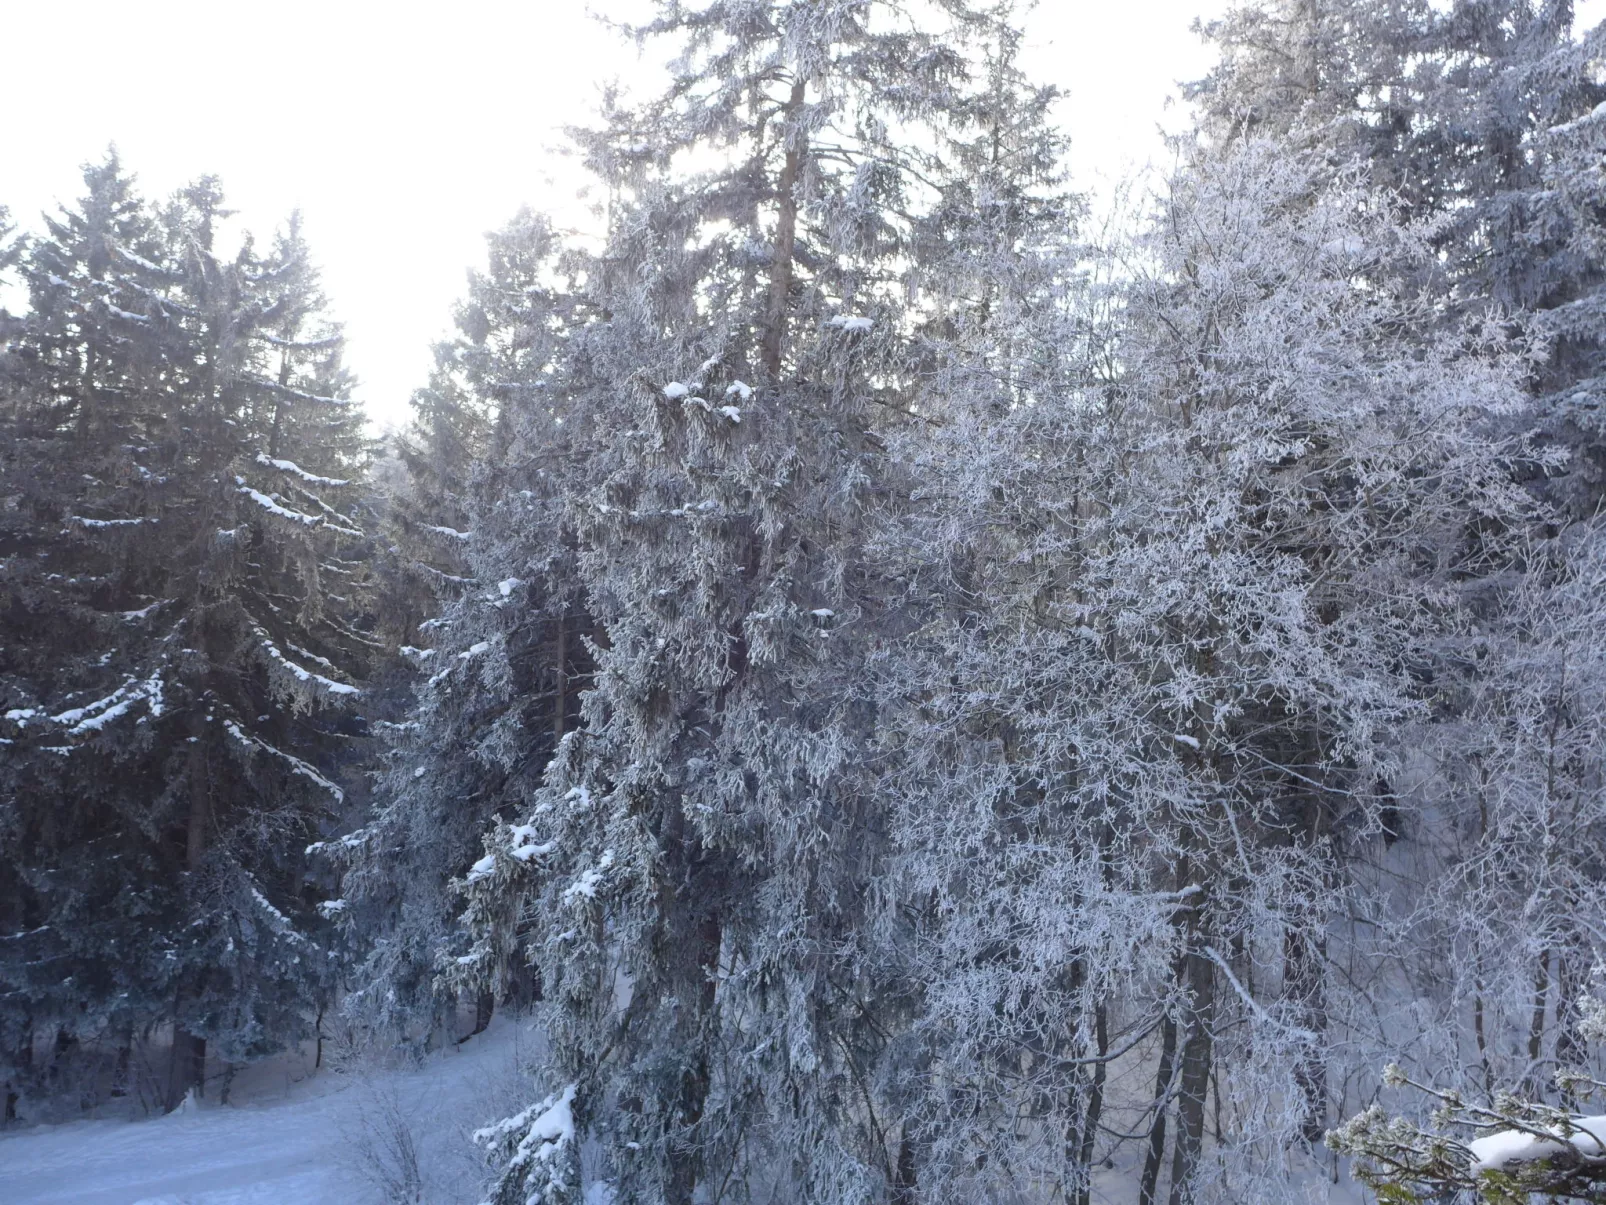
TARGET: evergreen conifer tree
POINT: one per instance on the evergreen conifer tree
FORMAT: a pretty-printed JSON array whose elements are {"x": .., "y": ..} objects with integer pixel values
[
  {"x": 184, "y": 611},
  {"x": 502, "y": 655},
  {"x": 709, "y": 835}
]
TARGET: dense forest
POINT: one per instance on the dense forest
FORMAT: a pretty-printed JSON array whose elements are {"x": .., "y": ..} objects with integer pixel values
[{"x": 924, "y": 696}]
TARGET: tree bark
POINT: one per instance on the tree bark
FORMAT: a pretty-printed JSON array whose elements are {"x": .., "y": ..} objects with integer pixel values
[
  {"x": 1536, "y": 1022},
  {"x": 21, "y": 1070},
  {"x": 560, "y": 683},
  {"x": 785, "y": 235},
  {"x": 1162, "y": 1089},
  {"x": 122, "y": 1072},
  {"x": 187, "y": 1062},
  {"x": 1570, "y": 1047},
  {"x": 1094, "y": 1109},
  {"x": 905, "y": 1187},
  {"x": 1197, "y": 1054},
  {"x": 484, "y": 1009},
  {"x": 1304, "y": 979},
  {"x": 686, "y": 1166}
]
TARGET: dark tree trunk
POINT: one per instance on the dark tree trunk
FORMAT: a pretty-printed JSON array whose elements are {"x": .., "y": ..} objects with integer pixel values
[
  {"x": 484, "y": 1009},
  {"x": 186, "y": 1067},
  {"x": 906, "y": 1182},
  {"x": 1534, "y": 1084},
  {"x": 1194, "y": 1088},
  {"x": 560, "y": 675},
  {"x": 524, "y": 980},
  {"x": 60, "y": 1053},
  {"x": 1305, "y": 983},
  {"x": 122, "y": 1072},
  {"x": 21, "y": 1070},
  {"x": 187, "y": 1064},
  {"x": 687, "y": 1164},
  {"x": 1162, "y": 1089},
  {"x": 785, "y": 237},
  {"x": 1093, "y": 1111},
  {"x": 1570, "y": 1048}
]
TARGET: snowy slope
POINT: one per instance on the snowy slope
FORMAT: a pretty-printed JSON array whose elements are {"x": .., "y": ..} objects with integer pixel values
[{"x": 299, "y": 1144}]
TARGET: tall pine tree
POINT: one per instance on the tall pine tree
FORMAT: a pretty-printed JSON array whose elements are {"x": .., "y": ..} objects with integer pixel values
[
  {"x": 695, "y": 870},
  {"x": 184, "y": 605}
]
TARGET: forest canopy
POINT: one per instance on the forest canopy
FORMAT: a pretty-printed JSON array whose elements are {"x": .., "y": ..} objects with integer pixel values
[{"x": 922, "y": 696}]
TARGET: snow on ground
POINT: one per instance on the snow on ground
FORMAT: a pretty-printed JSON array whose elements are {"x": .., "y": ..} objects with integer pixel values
[
  {"x": 285, "y": 1143},
  {"x": 294, "y": 1139}
]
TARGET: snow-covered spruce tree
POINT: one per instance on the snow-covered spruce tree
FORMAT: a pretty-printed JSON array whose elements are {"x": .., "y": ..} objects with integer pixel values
[
  {"x": 503, "y": 654},
  {"x": 1192, "y": 612},
  {"x": 448, "y": 440},
  {"x": 696, "y": 868},
  {"x": 1481, "y": 113},
  {"x": 177, "y": 488},
  {"x": 82, "y": 378},
  {"x": 16, "y": 1042}
]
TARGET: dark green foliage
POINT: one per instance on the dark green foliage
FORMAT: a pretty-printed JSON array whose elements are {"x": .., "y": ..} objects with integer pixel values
[{"x": 184, "y": 610}]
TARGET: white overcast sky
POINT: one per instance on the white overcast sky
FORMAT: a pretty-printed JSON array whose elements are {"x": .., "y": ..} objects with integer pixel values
[{"x": 404, "y": 132}]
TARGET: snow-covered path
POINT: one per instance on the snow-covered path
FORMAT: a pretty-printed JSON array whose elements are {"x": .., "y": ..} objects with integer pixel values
[
  {"x": 284, "y": 1152},
  {"x": 297, "y": 1149}
]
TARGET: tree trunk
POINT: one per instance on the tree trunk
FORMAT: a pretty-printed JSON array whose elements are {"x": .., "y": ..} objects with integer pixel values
[
  {"x": 687, "y": 1164},
  {"x": 1570, "y": 1047},
  {"x": 560, "y": 675},
  {"x": 905, "y": 1187},
  {"x": 1196, "y": 1064},
  {"x": 1305, "y": 983},
  {"x": 187, "y": 1064},
  {"x": 1482, "y": 1039},
  {"x": 1536, "y": 1024},
  {"x": 279, "y": 404},
  {"x": 524, "y": 985},
  {"x": 484, "y": 1008},
  {"x": 1094, "y": 1109},
  {"x": 21, "y": 1069},
  {"x": 1162, "y": 1090},
  {"x": 785, "y": 235},
  {"x": 122, "y": 1071}
]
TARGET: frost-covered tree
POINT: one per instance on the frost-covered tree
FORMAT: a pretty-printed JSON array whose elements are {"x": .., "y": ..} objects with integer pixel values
[
  {"x": 503, "y": 655},
  {"x": 1481, "y": 114},
  {"x": 1483, "y": 119},
  {"x": 1192, "y": 611},
  {"x": 184, "y": 583},
  {"x": 695, "y": 870},
  {"x": 1506, "y": 920}
]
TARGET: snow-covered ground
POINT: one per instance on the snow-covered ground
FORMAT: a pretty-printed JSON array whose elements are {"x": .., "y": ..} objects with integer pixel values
[
  {"x": 290, "y": 1138},
  {"x": 328, "y": 1139}
]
